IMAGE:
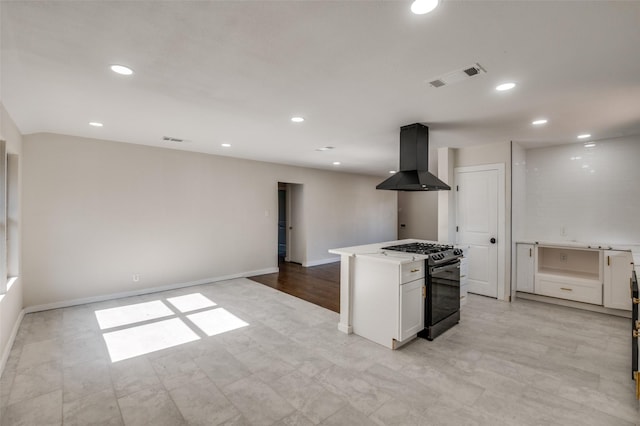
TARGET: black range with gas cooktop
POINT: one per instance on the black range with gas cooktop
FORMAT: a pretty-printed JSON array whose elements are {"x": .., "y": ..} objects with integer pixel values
[{"x": 442, "y": 281}]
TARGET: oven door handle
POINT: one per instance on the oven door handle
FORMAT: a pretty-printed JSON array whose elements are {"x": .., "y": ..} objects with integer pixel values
[{"x": 439, "y": 269}]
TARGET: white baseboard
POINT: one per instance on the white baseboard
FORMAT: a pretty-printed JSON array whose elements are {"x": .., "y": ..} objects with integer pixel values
[
  {"x": 102, "y": 298},
  {"x": 7, "y": 349},
  {"x": 321, "y": 262},
  {"x": 347, "y": 329}
]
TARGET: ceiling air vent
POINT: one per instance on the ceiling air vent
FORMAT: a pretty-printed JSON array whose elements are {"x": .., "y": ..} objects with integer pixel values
[
  {"x": 471, "y": 71},
  {"x": 170, "y": 139},
  {"x": 457, "y": 75}
]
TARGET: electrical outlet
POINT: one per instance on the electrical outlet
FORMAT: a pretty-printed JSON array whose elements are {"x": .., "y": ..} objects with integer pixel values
[
  {"x": 563, "y": 257},
  {"x": 136, "y": 278}
]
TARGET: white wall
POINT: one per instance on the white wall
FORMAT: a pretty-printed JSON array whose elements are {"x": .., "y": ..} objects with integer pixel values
[
  {"x": 583, "y": 194},
  {"x": 11, "y": 302},
  {"x": 418, "y": 212},
  {"x": 519, "y": 191},
  {"x": 518, "y": 211},
  {"x": 342, "y": 208},
  {"x": 446, "y": 199},
  {"x": 96, "y": 212}
]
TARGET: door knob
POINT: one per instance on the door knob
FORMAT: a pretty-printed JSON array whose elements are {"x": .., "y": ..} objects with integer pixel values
[{"x": 493, "y": 240}]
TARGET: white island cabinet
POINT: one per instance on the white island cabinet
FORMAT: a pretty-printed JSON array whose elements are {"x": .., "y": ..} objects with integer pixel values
[
  {"x": 388, "y": 302},
  {"x": 382, "y": 293}
]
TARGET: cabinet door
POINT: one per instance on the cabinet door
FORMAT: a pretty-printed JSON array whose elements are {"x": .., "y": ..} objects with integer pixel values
[
  {"x": 525, "y": 267},
  {"x": 618, "y": 269},
  {"x": 464, "y": 280},
  {"x": 411, "y": 309}
]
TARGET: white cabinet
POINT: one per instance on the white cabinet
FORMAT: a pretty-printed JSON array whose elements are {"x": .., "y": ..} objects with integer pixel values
[
  {"x": 569, "y": 273},
  {"x": 618, "y": 269},
  {"x": 525, "y": 267},
  {"x": 464, "y": 279},
  {"x": 388, "y": 302},
  {"x": 411, "y": 308},
  {"x": 587, "y": 274}
]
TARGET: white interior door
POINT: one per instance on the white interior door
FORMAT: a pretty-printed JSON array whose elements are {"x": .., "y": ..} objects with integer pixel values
[{"x": 477, "y": 224}]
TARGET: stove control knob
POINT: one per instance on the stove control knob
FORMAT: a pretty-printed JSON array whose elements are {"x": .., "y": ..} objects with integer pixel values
[{"x": 457, "y": 252}]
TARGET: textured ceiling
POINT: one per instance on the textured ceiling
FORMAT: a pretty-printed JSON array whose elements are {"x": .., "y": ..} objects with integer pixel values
[{"x": 236, "y": 71}]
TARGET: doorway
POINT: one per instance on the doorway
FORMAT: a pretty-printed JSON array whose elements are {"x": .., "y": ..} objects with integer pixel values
[
  {"x": 291, "y": 243},
  {"x": 480, "y": 201},
  {"x": 282, "y": 224}
]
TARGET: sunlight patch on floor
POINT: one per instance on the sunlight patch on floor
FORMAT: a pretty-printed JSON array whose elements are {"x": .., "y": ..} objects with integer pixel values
[
  {"x": 131, "y": 314},
  {"x": 191, "y": 302},
  {"x": 216, "y": 321},
  {"x": 144, "y": 339},
  {"x": 158, "y": 332}
]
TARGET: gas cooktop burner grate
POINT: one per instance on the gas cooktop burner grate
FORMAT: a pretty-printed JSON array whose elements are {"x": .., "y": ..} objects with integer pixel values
[{"x": 420, "y": 248}]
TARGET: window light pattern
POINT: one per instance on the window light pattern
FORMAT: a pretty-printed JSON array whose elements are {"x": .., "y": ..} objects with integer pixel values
[{"x": 143, "y": 328}]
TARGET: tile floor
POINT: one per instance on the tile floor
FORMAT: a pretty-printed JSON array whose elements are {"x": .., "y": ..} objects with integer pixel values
[{"x": 272, "y": 359}]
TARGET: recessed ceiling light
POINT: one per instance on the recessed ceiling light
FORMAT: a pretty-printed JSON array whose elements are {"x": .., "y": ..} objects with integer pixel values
[
  {"x": 121, "y": 69},
  {"x": 336, "y": 163},
  {"x": 95, "y": 124},
  {"x": 539, "y": 122},
  {"x": 325, "y": 148},
  {"x": 589, "y": 145},
  {"x": 584, "y": 136},
  {"x": 420, "y": 7},
  {"x": 297, "y": 119},
  {"x": 392, "y": 171},
  {"x": 505, "y": 86},
  {"x": 225, "y": 145}
]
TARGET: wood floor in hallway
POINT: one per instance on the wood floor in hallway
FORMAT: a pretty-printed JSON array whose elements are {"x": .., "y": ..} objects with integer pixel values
[{"x": 319, "y": 285}]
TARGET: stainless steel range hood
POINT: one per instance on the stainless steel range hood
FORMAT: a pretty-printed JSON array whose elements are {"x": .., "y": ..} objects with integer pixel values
[{"x": 414, "y": 163}]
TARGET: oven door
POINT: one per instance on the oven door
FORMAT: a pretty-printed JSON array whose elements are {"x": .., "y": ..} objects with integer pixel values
[{"x": 443, "y": 291}]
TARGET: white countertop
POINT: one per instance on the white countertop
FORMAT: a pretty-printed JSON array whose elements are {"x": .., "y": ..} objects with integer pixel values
[
  {"x": 584, "y": 244},
  {"x": 374, "y": 251}
]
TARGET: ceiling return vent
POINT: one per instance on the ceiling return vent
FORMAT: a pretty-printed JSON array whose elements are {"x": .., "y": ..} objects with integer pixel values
[
  {"x": 170, "y": 139},
  {"x": 458, "y": 75}
]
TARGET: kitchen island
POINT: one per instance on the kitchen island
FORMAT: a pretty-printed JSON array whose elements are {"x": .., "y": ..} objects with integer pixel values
[{"x": 382, "y": 292}]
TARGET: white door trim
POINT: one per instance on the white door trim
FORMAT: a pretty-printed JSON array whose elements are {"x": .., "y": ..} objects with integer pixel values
[{"x": 503, "y": 292}]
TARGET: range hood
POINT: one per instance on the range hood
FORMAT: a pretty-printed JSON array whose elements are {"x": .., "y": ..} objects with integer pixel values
[{"x": 414, "y": 161}]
